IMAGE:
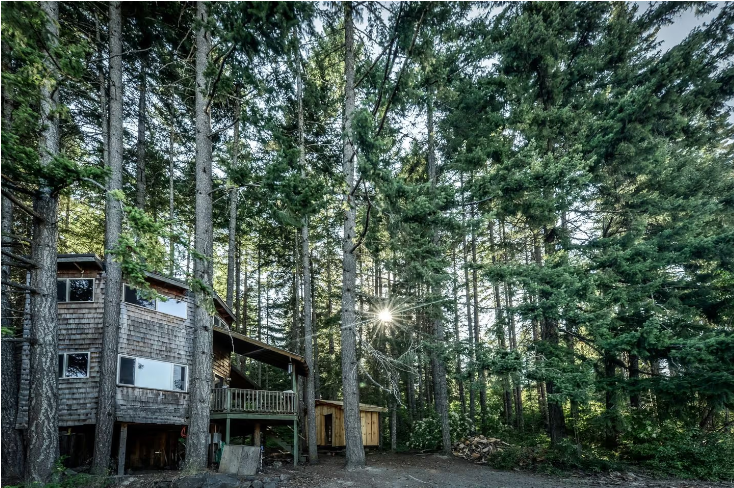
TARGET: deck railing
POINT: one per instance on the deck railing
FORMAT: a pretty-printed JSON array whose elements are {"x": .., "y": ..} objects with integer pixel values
[{"x": 236, "y": 400}]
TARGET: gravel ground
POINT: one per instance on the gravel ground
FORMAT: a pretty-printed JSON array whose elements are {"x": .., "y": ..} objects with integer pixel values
[
  {"x": 422, "y": 471},
  {"x": 387, "y": 470}
]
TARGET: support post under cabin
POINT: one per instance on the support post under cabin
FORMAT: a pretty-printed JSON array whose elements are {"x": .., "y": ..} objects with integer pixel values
[
  {"x": 121, "y": 451},
  {"x": 294, "y": 382}
]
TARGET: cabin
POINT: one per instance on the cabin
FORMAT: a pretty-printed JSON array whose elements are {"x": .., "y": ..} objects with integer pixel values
[
  {"x": 330, "y": 424},
  {"x": 154, "y": 357}
]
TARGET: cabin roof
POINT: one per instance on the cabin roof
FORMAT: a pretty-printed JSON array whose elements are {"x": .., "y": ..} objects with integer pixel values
[
  {"x": 223, "y": 309},
  {"x": 168, "y": 282},
  {"x": 259, "y": 351},
  {"x": 79, "y": 261},
  {"x": 363, "y": 407}
]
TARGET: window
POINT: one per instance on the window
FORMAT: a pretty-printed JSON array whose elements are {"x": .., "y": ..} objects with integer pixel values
[
  {"x": 132, "y": 296},
  {"x": 74, "y": 365},
  {"x": 177, "y": 308},
  {"x": 149, "y": 373},
  {"x": 170, "y": 306},
  {"x": 75, "y": 290}
]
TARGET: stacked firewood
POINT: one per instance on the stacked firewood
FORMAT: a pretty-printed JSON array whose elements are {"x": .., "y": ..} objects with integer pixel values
[{"x": 478, "y": 449}]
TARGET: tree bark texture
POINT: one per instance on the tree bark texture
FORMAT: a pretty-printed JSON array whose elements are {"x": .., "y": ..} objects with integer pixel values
[
  {"x": 549, "y": 333},
  {"x": 140, "y": 177},
  {"x": 43, "y": 432},
  {"x": 13, "y": 451},
  {"x": 233, "y": 207},
  {"x": 457, "y": 335},
  {"x": 201, "y": 374},
  {"x": 634, "y": 377},
  {"x": 171, "y": 242},
  {"x": 13, "y": 461},
  {"x": 350, "y": 383},
  {"x": 440, "y": 387},
  {"x": 113, "y": 269},
  {"x": 102, "y": 80},
  {"x": 313, "y": 455},
  {"x": 482, "y": 373}
]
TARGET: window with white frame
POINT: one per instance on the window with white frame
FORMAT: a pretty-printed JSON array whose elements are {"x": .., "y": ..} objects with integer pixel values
[
  {"x": 74, "y": 365},
  {"x": 150, "y": 373},
  {"x": 170, "y": 306},
  {"x": 75, "y": 290}
]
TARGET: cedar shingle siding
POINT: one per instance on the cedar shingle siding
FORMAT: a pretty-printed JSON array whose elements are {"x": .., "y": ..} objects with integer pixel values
[{"x": 144, "y": 333}]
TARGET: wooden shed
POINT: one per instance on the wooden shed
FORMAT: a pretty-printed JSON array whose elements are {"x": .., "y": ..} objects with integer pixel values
[{"x": 330, "y": 423}]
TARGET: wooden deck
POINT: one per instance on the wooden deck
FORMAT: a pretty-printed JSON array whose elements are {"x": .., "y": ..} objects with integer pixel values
[{"x": 253, "y": 404}]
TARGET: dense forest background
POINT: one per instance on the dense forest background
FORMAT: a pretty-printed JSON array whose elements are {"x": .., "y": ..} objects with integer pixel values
[{"x": 543, "y": 198}]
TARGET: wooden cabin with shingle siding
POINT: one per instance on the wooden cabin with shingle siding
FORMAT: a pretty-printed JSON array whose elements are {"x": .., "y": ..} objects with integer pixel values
[{"x": 154, "y": 357}]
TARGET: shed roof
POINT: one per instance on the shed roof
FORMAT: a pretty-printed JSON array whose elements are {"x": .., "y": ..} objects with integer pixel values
[
  {"x": 363, "y": 407},
  {"x": 259, "y": 351}
]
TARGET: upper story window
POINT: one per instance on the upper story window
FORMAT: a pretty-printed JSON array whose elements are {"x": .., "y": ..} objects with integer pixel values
[
  {"x": 75, "y": 290},
  {"x": 177, "y": 308},
  {"x": 74, "y": 365},
  {"x": 149, "y": 373}
]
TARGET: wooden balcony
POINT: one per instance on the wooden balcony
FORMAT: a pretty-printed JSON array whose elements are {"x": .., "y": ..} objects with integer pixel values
[{"x": 241, "y": 403}]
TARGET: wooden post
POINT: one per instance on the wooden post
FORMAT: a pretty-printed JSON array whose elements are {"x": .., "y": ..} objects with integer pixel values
[
  {"x": 295, "y": 442},
  {"x": 294, "y": 381},
  {"x": 121, "y": 451},
  {"x": 256, "y": 436},
  {"x": 380, "y": 419},
  {"x": 226, "y": 434}
]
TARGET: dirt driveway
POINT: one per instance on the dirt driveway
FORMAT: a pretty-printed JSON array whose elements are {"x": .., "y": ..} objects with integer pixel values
[{"x": 422, "y": 471}]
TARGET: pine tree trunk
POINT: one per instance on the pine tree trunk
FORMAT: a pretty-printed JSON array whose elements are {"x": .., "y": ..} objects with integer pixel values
[
  {"x": 634, "y": 376},
  {"x": 549, "y": 333},
  {"x": 482, "y": 372},
  {"x": 113, "y": 269},
  {"x": 517, "y": 387},
  {"x": 457, "y": 337},
  {"x": 313, "y": 455},
  {"x": 500, "y": 331},
  {"x": 394, "y": 426},
  {"x": 102, "y": 80},
  {"x": 329, "y": 301},
  {"x": 238, "y": 285},
  {"x": 140, "y": 177},
  {"x": 13, "y": 450},
  {"x": 440, "y": 387},
  {"x": 295, "y": 328},
  {"x": 611, "y": 434},
  {"x": 540, "y": 386},
  {"x": 467, "y": 292},
  {"x": 171, "y": 244},
  {"x": 43, "y": 432},
  {"x": 233, "y": 205},
  {"x": 200, "y": 384},
  {"x": 245, "y": 296},
  {"x": 13, "y": 461},
  {"x": 350, "y": 382}
]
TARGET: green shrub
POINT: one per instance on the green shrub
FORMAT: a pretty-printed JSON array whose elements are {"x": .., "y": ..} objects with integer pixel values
[
  {"x": 566, "y": 456},
  {"x": 74, "y": 481},
  {"x": 426, "y": 434},
  {"x": 684, "y": 452}
]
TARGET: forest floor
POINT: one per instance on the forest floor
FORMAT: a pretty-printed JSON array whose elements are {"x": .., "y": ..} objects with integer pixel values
[{"x": 385, "y": 470}]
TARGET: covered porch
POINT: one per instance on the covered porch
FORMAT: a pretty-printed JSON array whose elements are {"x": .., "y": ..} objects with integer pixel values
[{"x": 250, "y": 405}]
